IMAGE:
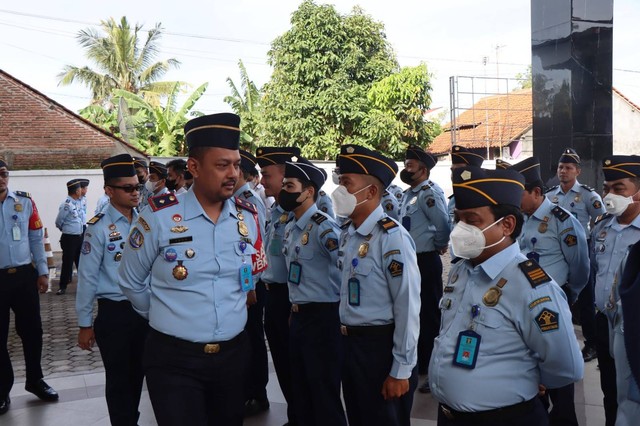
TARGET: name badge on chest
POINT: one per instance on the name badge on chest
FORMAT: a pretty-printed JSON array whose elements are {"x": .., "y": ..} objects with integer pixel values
[
  {"x": 295, "y": 271},
  {"x": 466, "y": 353}
]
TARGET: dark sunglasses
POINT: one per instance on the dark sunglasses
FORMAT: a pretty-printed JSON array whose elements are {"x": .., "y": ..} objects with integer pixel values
[
  {"x": 4, "y": 174},
  {"x": 129, "y": 188}
]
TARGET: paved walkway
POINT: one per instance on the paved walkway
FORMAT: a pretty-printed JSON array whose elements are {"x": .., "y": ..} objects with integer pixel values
[{"x": 78, "y": 376}]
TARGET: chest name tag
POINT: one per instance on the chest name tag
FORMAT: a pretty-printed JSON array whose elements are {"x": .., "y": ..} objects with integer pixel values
[
  {"x": 16, "y": 233},
  {"x": 295, "y": 271},
  {"x": 354, "y": 292},
  {"x": 466, "y": 353},
  {"x": 246, "y": 278}
]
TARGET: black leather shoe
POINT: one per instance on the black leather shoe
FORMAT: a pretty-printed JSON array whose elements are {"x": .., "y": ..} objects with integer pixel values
[
  {"x": 255, "y": 406},
  {"x": 425, "y": 387},
  {"x": 589, "y": 353},
  {"x": 42, "y": 390},
  {"x": 4, "y": 405},
  {"x": 61, "y": 291}
]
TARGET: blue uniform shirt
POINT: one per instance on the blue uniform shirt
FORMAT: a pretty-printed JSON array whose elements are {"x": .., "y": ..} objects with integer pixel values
[
  {"x": 390, "y": 205},
  {"x": 609, "y": 242},
  {"x": 387, "y": 270},
  {"x": 19, "y": 211},
  {"x": 558, "y": 243},
  {"x": 82, "y": 208},
  {"x": 101, "y": 204},
  {"x": 424, "y": 214},
  {"x": 312, "y": 242},
  {"x": 527, "y": 338},
  {"x": 325, "y": 204},
  {"x": 276, "y": 272},
  {"x": 396, "y": 191},
  {"x": 581, "y": 201},
  {"x": 69, "y": 219},
  {"x": 101, "y": 254},
  {"x": 196, "y": 292},
  {"x": 451, "y": 206}
]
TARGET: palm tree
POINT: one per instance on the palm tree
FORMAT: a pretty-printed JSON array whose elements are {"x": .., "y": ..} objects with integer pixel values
[
  {"x": 246, "y": 103},
  {"x": 121, "y": 63}
]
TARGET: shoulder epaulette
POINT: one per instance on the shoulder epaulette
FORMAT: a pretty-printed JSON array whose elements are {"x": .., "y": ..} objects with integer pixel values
[
  {"x": 560, "y": 213},
  {"x": 247, "y": 194},
  {"x": 450, "y": 197},
  {"x": 322, "y": 193},
  {"x": 387, "y": 223},
  {"x": 95, "y": 219},
  {"x": 588, "y": 188},
  {"x": 246, "y": 205},
  {"x": 426, "y": 186},
  {"x": 22, "y": 194},
  {"x": 318, "y": 218},
  {"x": 553, "y": 188},
  {"x": 346, "y": 224},
  {"x": 456, "y": 259},
  {"x": 160, "y": 202},
  {"x": 601, "y": 218},
  {"x": 534, "y": 273}
]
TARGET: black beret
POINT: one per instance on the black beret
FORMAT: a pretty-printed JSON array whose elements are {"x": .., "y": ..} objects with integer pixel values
[
  {"x": 270, "y": 155},
  {"x": 247, "y": 161},
  {"x": 461, "y": 155},
  {"x": 3, "y": 164},
  {"x": 414, "y": 152},
  {"x": 529, "y": 169},
  {"x": 502, "y": 165},
  {"x": 73, "y": 185},
  {"x": 360, "y": 160},
  {"x": 617, "y": 167},
  {"x": 475, "y": 187},
  {"x": 140, "y": 162},
  {"x": 304, "y": 170},
  {"x": 121, "y": 165},
  {"x": 188, "y": 175},
  {"x": 215, "y": 130},
  {"x": 569, "y": 156},
  {"x": 158, "y": 169}
]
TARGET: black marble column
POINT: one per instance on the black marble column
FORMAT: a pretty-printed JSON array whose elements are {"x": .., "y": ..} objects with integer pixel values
[{"x": 571, "y": 46}]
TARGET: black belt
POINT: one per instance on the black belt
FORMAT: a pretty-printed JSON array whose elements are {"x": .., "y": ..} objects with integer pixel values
[
  {"x": 207, "y": 348},
  {"x": 367, "y": 330},
  {"x": 314, "y": 307},
  {"x": 113, "y": 303},
  {"x": 489, "y": 415},
  {"x": 16, "y": 269},
  {"x": 276, "y": 286}
]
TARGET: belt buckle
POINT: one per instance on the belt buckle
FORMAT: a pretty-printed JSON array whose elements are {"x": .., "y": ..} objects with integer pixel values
[
  {"x": 447, "y": 413},
  {"x": 294, "y": 307},
  {"x": 211, "y": 348},
  {"x": 12, "y": 270},
  {"x": 343, "y": 330},
  {"x": 266, "y": 286}
]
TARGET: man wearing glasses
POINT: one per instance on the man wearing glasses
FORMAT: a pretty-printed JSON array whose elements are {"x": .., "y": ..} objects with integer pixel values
[
  {"x": 118, "y": 330},
  {"x": 21, "y": 244}
]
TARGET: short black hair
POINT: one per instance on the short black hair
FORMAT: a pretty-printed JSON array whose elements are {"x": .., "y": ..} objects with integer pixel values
[
  {"x": 197, "y": 152},
  {"x": 529, "y": 187},
  {"x": 178, "y": 165},
  {"x": 306, "y": 184},
  {"x": 503, "y": 210}
]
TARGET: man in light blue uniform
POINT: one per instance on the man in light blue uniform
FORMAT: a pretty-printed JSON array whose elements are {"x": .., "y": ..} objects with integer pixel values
[
  {"x": 23, "y": 272},
  {"x": 324, "y": 201},
  {"x": 505, "y": 322},
  {"x": 156, "y": 182},
  {"x": 311, "y": 252},
  {"x": 396, "y": 191},
  {"x": 379, "y": 296},
  {"x": 460, "y": 157},
  {"x": 610, "y": 238},
  {"x": 198, "y": 249},
  {"x": 118, "y": 330},
  {"x": 69, "y": 222},
  {"x": 555, "y": 239},
  {"x": 258, "y": 377},
  {"x": 390, "y": 205},
  {"x": 586, "y": 205},
  {"x": 82, "y": 202},
  {"x": 142, "y": 171},
  {"x": 424, "y": 214},
  {"x": 277, "y": 310}
]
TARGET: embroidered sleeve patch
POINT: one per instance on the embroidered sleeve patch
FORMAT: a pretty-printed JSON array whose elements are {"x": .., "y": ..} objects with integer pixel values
[
  {"x": 547, "y": 320},
  {"x": 395, "y": 268},
  {"x": 570, "y": 240},
  {"x": 597, "y": 205},
  {"x": 331, "y": 244},
  {"x": 388, "y": 207},
  {"x": 539, "y": 301},
  {"x": 431, "y": 202},
  {"x": 86, "y": 247},
  {"x": 136, "y": 239},
  {"x": 391, "y": 253}
]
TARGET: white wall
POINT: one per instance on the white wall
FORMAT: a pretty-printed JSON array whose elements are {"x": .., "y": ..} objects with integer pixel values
[{"x": 626, "y": 127}]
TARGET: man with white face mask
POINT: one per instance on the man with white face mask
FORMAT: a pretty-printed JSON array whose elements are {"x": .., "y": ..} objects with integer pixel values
[
  {"x": 379, "y": 296},
  {"x": 505, "y": 322},
  {"x": 156, "y": 182},
  {"x": 610, "y": 238}
]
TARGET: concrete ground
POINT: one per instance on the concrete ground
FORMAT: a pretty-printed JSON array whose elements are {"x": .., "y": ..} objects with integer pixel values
[{"x": 78, "y": 376}]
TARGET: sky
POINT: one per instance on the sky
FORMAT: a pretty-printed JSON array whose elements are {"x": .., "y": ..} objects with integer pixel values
[{"x": 453, "y": 37}]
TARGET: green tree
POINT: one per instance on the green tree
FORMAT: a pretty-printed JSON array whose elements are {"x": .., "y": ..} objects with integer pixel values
[
  {"x": 525, "y": 81},
  {"x": 159, "y": 130},
  {"x": 396, "y": 118},
  {"x": 323, "y": 67},
  {"x": 121, "y": 63},
  {"x": 245, "y": 101}
]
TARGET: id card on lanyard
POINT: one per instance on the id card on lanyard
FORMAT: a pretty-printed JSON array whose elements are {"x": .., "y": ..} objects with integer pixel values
[{"x": 465, "y": 354}]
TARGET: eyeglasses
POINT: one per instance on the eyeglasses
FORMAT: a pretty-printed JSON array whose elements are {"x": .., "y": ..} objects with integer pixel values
[
  {"x": 4, "y": 175},
  {"x": 128, "y": 188}
]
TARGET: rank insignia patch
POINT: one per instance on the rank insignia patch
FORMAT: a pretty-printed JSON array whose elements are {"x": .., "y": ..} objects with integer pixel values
[
  {"x": 396, "y": 268},
  {"x": 547, "y": 320},
  {"x": 570, "y": 240}
]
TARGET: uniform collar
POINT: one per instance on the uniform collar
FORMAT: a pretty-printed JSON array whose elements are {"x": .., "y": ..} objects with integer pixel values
[
  {"x": 574, "y": 188},
  {"x": 11, "y": 194},
  {"x": 543, "y": 210},
  {"x": 304, "y": 219},
  {"x": 496, "y": 263},
  {"x": 192, "y": 207},
  {"x": 366, "y": 228},
  {"x": 419, "y": 186},
  {"x": 242, "y": 189},
  {"x": 614, "y": 223},
  {"x": 114, "y": 215}
]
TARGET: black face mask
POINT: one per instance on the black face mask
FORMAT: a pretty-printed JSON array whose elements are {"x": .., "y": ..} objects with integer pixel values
[
  {"x": 170, "y": 184},
  {"x": 142, "y": 180},
  {"x": 407, "y": 177},
  {"x": 288, "y": 200}
]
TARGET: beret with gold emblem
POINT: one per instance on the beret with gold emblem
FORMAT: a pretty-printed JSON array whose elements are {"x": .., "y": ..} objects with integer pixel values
[
  {"x": 617, "y": 167},
  {"x": 476, "y": 187},
  {"x": 360, "y": 160}
]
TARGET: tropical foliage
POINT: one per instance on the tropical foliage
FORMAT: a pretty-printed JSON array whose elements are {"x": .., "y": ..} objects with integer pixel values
[{"x": 246, "y": 102}]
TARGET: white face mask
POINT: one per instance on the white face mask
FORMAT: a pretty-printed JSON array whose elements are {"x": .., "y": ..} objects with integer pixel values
[
  {"x": 151, "y": 186},
  {"x": 344, "y": 203},
  {"x": 468, "y": 241},
  {"x": 617, "y": 204}
]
